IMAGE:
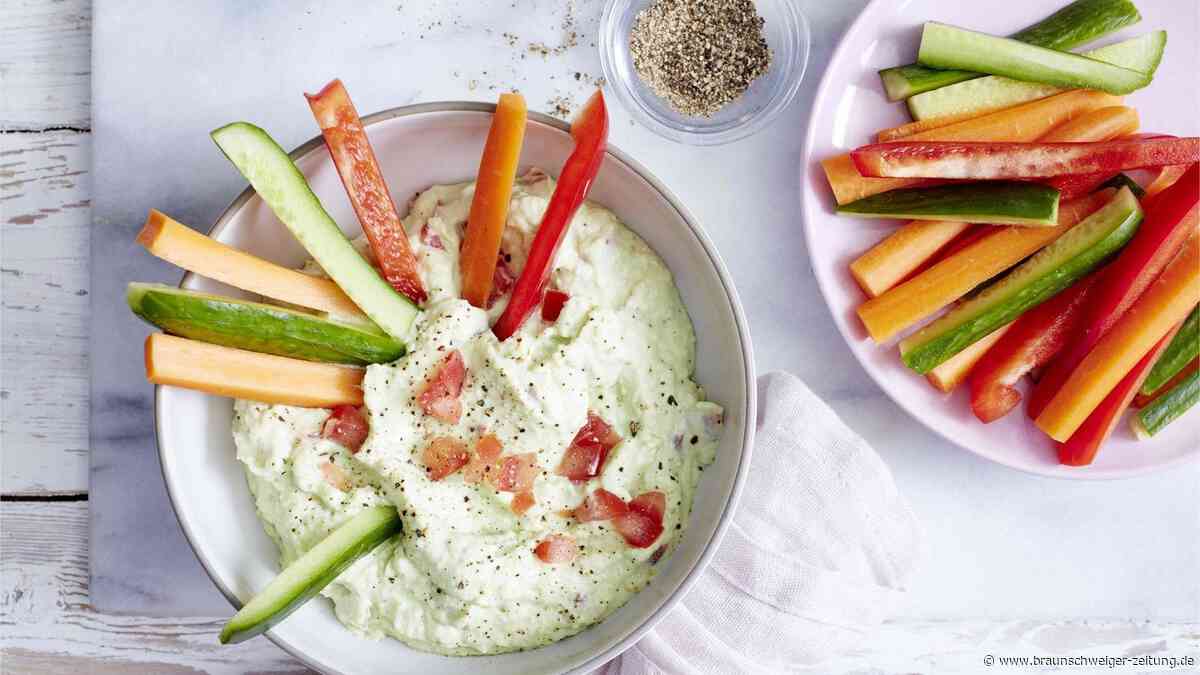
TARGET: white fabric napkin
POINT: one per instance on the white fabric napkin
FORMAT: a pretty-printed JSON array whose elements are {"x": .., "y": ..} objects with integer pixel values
[{"x": 817, "y": 555}]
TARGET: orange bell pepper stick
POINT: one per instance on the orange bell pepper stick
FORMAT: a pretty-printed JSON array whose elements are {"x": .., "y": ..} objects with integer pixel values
[{"x": 489, "y": 207}]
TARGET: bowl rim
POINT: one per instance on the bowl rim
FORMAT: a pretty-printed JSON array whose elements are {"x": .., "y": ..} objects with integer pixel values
[
  {"x": 810, "y": 206},
  {"x": 741, "y": 327}
]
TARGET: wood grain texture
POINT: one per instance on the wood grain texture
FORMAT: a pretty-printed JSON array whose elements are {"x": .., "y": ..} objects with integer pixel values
[
  {"x": 48, "y": 627},
  {"x": 45, "y": 64},
  {"x": 44, "y": 212}
]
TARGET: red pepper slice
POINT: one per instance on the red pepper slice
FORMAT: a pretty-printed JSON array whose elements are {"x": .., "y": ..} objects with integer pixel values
[
  {"x": 590, "y": 131},
  {"x": 1170, "y": 218},
  {"x": 983, "y": 161},
  {"x": 1033, "y": 340},
  {"x": 552, "y": 305},
  {"x": 368, "y": 192},
  {"x": 1081, "y": 448}
]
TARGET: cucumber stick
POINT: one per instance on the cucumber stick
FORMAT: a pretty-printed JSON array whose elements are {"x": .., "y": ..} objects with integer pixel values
[
  {"x": 995, "y": 202},
  {"x": 1184, "y": 347},
  {"x": 1078, "y": 251},
  {"x": 281, "y": 185},
  {"x": 1076, "y": 24},
  {"x": 1167, "y": 408},
  {"x": 257, "y": 327},
  {"x": 944, "y": 46},
  {"x": 311, "y": 572},
  {"x": 1142, "y": 54}
]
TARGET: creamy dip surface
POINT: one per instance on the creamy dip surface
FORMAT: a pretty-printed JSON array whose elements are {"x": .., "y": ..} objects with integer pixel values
[{"x": 462, "y": 578}]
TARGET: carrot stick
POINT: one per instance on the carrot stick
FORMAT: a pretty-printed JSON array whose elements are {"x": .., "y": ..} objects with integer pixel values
[
  {"x": 1163, "y": 305},
  {"x": 1022, "y": 123},
  {"x": 187, "y": 248},
  {"x": 1101, "y": 124},
  {"x": 923, "y": 295},
  {"x": 906, "y": 130},
  {"x": 950, "y": 373},
  {"x": 489, "y": 207},
  {"x": 898, "y": 255},
  {"x": 236, "y": 373}
]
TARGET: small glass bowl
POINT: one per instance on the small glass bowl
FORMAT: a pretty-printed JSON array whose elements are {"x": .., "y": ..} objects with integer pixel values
[{"x": 786, "y": 32}]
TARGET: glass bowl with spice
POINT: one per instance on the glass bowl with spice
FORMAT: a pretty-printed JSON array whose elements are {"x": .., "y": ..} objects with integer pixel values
[{"x": 704, "y": 72}]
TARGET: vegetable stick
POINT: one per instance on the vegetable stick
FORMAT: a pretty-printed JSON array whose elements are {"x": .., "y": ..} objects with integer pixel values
[
  {"x": 368, "y": 192},
  {"x": 237, "y": 373},
  {"x": 1163, "y": 305},
  {"x": 918, "y": 126},
  {"x": 1081, "y": 448},
  {"x": 1166, "y": 177},
  {"x": 489, "y": 207},
  {"x": 1183, "y": 350},
  {"x": 913, "y": 247},
  {"x": 1022, "y": 123},
  {"x": 971, "y": 160},
  {"x": 1166, "y": 408},
  {"x": 187, "y": 248},
  {"x": 898, "y": 255},
  {"x": 950, "y": 373},
  {"x": 1142, "y": 400},
  {"x": 923, "y": 295}
]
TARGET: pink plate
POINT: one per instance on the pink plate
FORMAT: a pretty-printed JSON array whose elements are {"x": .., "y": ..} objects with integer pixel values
[{"x": 850, "y": 106}]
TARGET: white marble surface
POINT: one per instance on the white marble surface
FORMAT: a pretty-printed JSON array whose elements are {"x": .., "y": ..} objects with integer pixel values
[{"x": 1015, "y": 563}]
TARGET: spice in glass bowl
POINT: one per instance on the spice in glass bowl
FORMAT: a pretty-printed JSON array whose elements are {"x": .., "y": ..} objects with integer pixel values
[{"x": 699, "y": 55}]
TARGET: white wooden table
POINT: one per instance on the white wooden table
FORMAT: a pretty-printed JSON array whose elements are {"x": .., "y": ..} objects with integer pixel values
[{"x": 46, "y": 622}]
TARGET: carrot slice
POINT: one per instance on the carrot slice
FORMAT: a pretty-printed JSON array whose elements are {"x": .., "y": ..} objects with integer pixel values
[
  {"x": 187, "y": 248},
  {"x": 1101, "y": 124},
  {"x": 950, "y": 373},
  {"x": 237, "y": 373},
  {"x": 902, "y": 252},
  {"x": 906, "y": 130},
  {"x": 1164, "y": 304},
  {"x": 1022, "y": 123},
  {"x": 368, "y": 192},
  {"x": 489, "y": 207},
  {"x": 923, "y": 295}
]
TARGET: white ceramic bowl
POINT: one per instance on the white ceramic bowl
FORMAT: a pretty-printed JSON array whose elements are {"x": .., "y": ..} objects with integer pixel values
[{"x": 419, "y": 146}]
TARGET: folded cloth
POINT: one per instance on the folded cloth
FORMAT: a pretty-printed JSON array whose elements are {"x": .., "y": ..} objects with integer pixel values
[{"x": 817, "y": 556}]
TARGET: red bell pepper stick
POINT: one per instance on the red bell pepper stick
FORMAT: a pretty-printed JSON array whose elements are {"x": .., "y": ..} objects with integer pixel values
[
  {"x": 590, "y": 131},
  {"x": 1081, "y": 448},
  {"x": 1075, "y": 185},
  {"x": 1033, "y": 340},
  {"x": 981, "y": 161},
  {"x": 1170, "y": 218},
  {"x": 359, "y": 170}
]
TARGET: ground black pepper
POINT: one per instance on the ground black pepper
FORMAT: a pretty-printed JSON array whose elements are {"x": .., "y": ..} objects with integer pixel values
[{"x": 700, "y": 55}]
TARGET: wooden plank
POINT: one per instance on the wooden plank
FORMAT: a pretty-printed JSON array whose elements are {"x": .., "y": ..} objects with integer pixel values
[
  {"x": 48, "y": 627},
  {"x": 45, "y": 211},
  {"x": 45, "y": 64}
]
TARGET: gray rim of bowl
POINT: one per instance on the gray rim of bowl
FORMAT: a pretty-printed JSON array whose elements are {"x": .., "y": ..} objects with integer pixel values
[
  {"x": 750, "y": 412},
  {"x": 747, "y": 127},
  {"x": 809, "y": 208}
]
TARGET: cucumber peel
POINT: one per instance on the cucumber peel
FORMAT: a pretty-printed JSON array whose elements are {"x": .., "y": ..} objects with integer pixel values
[
  {"x": 1184, "y": 347},
  {"x": 1167, "y": 408},
  {"x": 284, "y": 189},
  {"x": 945, "y": 46},
  {"x": 1123, "y": 180},
  {"x": 259, "y": 327},
  {"x": 995, "y": 202},
  {"x": 1142, "y": 53},
  {"x": 1076, "y": 24},
  {"x": 311, "y": 572},
  {"x": 1078, "y": 251}
]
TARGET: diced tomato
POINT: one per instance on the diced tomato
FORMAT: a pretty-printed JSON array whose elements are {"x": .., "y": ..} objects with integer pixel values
[
  {"x": 516, "y": 473},
  {"x": 641, "y": 526},
  {"x": 336, "y": 476},
  {"x": 346, "y": 425},
  {"x": 439, "y": 398},
  {"x": 443, "y": 456},
  {"x": 522, "y": 502},
  {"x": 552, "y": 305},
  {"x": 502, "y": 280},
  {"x": 588, "y": 450},
  {"x": 483, "y": 461},
  {"x": 600, "y": 505},
  {"x": 653, "y": 504},
  {"x": 989, "y": 161},
  {"x": 431, "y": 238},
  {"x": 557, "y": 548}
]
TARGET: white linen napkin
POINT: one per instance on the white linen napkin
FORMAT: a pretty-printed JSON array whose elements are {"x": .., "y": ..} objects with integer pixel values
[{"x": 817, "y": 555}]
